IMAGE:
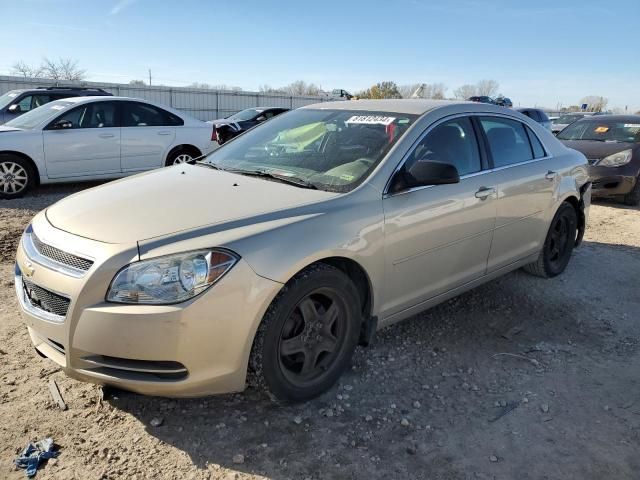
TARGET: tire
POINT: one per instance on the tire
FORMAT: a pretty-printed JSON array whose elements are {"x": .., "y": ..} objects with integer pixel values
[
  {"x": 633, "y": 197},
  {"x": 179, "y": 156},
  {"x": 307, "y": 336},
  {"x": 558, "y": 245},
  {"x": 17, "y": 176}
]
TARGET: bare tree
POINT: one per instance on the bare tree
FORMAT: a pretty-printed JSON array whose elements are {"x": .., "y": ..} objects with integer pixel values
[
  {"x": 269, "y": 89},
  {"x": 423, "y": 90},
  {"x": 407, "y": 90},
  {"x": 63, "y": 69},
  {"x": 206, "y": 86},
  {"x": 487, "y": 87},
  {"x": 26, "y": 71},
  {"x": 595, "y": 103},
  {"x": 438, "y": 90},
  {"x": 300, "y": 87},
  {"x": 463, "y": 92}
]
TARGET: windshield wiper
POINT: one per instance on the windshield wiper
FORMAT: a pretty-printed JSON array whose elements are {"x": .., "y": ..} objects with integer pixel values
[
  {"x": 291, "y": 180},
  {"x": 207, "y": 164}
]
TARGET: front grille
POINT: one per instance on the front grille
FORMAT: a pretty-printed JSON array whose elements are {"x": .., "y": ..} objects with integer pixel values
[
  {"x": 59, "y": 256},
  {"x": 44, "y": 299}
]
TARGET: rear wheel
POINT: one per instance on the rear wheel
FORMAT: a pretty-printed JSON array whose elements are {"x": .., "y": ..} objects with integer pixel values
[
  {"x": 633, "y": 197},
  {"x": 308, "y": 335},
  {"x": 558, "y": 245},
  {"x": 16, "y": 176},
  {"x": 178, "y": 157}
]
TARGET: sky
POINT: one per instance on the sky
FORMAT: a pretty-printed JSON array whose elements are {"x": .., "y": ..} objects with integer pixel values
[{"x": 546, "y": 53}]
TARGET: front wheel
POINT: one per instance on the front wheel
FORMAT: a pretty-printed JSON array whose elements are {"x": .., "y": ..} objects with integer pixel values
[
  {"x": 308, "y": 335},
  {"x": 16, "y": 176},
  {"x": 178, "y": 157},
  {"x": 558, "y": 245}
]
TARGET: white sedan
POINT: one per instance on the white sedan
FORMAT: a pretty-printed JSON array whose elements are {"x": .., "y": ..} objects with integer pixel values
[{"x": 95, "y": 138}]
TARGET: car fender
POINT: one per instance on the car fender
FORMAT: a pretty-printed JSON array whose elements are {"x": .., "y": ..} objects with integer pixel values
[{"x": 26, "y": 143}]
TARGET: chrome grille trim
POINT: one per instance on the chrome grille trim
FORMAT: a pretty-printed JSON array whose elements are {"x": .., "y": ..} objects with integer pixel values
[
  {"x": 54, "y": 258},
  {"x": 56, "y": 305}
]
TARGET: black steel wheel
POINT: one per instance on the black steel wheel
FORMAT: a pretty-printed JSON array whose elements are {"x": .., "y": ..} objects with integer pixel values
[
  {"x": 558, "y": 246},
  {"x": 307, "y": 336}
]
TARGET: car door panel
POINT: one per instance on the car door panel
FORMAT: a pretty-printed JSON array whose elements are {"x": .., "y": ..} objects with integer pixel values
[
  {"x": 146, "y": 138},
  {"x": 90, "y": 148},
  {"x": 438, "y": 237}
]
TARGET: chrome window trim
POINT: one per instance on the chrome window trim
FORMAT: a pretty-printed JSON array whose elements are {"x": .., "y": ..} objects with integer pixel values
[
  {"x": 34, "y": 255},
  {"x": 405, "y": 157},
  {"x": 28, "y": 307}
]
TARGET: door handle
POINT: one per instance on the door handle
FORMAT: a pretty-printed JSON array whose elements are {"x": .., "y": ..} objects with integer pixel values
[
  {"x": 551, "y": 175},
  {"x": 485, "y": 192},
  {"x": 106, "y": 135},
  {"x": 164, "y": 132}
]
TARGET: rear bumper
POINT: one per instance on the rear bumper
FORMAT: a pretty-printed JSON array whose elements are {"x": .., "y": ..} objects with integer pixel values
[{"x": 195, "y": 348}]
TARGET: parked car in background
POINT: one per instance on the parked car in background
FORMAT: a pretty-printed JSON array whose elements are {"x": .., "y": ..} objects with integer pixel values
[
  {"x": 17, "y": 102},
  {"x": 227, "y": 128},
  {"x": 611, "y": 143},
  {"x": 538, "y": 115},
  {"x": 482, "y": 99},
  {"x": 567, "y": 119},
  {"x": 503, "y": 102},
  {"x": 338, "y": 93},
  {"x": 93, "y": 138},
  {"x": 273, "y": 262}
]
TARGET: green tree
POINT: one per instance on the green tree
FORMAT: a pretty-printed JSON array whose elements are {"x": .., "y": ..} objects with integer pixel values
[{"x": 381, "y": 90}]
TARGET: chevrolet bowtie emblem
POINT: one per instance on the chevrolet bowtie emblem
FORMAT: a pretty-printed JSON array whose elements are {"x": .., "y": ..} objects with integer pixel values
[{"x": 29, "y": 269}]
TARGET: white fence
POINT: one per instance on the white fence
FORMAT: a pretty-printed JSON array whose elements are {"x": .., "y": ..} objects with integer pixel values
[{"x": 200, "y": 103}]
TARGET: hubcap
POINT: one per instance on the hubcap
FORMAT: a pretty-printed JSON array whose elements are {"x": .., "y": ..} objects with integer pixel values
[
  {"x": 13, "y": 177},
  {"x": 312, "y": 337},
  {"x": 182, "y": 158}
]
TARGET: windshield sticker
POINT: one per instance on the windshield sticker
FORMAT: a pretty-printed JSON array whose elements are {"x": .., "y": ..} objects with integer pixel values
[
  {"x": 632, "y": 125},
  {"x": 347, "y": 177},
  {"x": 601, "y": 129},
  {"x": 371, "y": 120},
  {"x": 57, "y": 107}
]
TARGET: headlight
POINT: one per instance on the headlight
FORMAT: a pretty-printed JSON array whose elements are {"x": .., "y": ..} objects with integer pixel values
[
  {"x": 170, "y": 279},
  {"x": 617, "y": 159}
]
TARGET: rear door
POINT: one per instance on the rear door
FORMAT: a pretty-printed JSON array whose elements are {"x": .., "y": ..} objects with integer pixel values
[
  {"x": 91, "y": 147},
  {"x": 525, "y": 180},
  {"x": 148, "y": 132},
  {"x": 438, "y": 237}
]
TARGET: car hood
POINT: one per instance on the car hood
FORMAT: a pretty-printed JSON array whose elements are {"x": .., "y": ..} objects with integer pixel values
[
  {"x": 594, "y": 150},
  {"x": 171, "y": 200}
]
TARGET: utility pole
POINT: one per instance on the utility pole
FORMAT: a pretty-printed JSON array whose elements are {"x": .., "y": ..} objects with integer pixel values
[{"x": 149, "y": 77}]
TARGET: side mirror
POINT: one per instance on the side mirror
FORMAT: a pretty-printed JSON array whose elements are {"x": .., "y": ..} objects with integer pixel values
[
  {"x": 423, "y": 173},
  {"x": 62, "y": 124},
  {"x": 15, "y": 108}
]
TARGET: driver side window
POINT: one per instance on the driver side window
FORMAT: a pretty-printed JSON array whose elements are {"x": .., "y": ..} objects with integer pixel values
[{"x": 452, "y": 142}]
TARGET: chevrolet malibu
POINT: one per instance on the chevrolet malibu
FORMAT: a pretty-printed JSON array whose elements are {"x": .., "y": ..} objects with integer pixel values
[{"x": 267, "y": 263}]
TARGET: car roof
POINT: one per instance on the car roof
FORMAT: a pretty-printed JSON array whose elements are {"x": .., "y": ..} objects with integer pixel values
[
  {"x": 416, "y": 106},
  {"x": 612, "y": 118}
]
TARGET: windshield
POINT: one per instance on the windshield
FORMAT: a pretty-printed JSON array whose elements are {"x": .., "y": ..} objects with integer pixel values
[
  {"x": 39, "y": 115},
  {"x": 244, "y": 115},
  {"x": 566, "y": 119},
  {"x": 7, "y": 98},
  {"x": 603, "y": 131},
  {"x": 333, "y": 150}
]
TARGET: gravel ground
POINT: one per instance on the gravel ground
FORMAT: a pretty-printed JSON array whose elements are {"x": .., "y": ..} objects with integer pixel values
[{"x": 520, "y": 378}]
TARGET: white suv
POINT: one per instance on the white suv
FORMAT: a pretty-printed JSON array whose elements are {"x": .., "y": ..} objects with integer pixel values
[{"x": 93, "y": 138}]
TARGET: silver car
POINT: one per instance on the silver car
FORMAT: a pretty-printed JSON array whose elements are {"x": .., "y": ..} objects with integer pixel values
[{"x": 292, "y": 243}]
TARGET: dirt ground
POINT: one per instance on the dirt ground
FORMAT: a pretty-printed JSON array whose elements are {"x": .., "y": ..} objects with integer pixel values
[{"x": 521, "y": 378}]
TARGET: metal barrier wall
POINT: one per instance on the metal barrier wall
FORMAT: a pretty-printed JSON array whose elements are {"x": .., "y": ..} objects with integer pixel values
[{"x": 200, "y": 103}]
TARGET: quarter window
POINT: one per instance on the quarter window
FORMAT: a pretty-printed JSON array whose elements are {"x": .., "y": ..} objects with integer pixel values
[
  {"x": 538, "y": 149},
  {"x": 451, "y": 142},
  {"x": 508, "y": 141}
]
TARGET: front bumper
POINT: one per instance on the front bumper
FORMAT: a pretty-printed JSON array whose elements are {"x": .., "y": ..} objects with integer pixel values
[
  {"x": 195, "y": 348},
  {"x": 613, "y": 181}
]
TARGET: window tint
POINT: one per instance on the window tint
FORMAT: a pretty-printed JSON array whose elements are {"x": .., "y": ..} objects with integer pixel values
[
  {"x": 94, "y": 115},
  {"x": 451, "y": 142},
  {"x": 543, "y": 116},
  {"x": 144, "y": 115},
  {"x": 538, "y": 149},
  {"x": 508, "y": 141}
]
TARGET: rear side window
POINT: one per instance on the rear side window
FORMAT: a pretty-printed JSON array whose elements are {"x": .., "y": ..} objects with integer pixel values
[
  {"x": 543, "y": 116},
  {"x": 536, "y": 146},
  {"x": 508, "y": 141},
  {"x": 451, "y": 142},
  {"x": 143, "y": 115}
]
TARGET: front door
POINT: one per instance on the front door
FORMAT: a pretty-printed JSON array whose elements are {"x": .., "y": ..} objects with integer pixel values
[
  {"x": 438, "y": 237},
  {"x": 90, "y": 147}
]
